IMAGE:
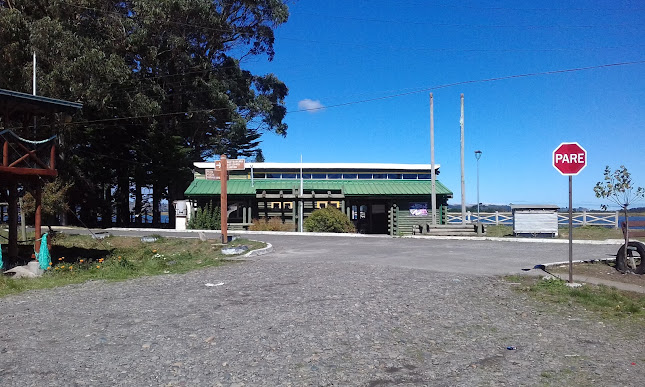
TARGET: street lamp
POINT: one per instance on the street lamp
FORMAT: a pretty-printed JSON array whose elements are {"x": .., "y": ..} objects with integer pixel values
[{"x": 478, "y": 155}]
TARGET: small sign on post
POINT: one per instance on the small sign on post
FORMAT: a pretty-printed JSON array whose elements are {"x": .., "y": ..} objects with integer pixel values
[
  {"x": 231, "y": 165},
  {"x": 569, "y": 158}
]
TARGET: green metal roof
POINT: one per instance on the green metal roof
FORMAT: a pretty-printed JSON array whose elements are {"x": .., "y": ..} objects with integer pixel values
[{"x": 201, "y": 187}]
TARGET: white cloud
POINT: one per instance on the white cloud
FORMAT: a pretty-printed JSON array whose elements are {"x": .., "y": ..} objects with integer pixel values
[{"x": 310, "y": 105}]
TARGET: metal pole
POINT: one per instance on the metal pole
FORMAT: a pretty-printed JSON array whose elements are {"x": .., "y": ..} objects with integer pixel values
[
  {"x": 432, "y": 165},
  {"x": 570, "y": 229},
  {"x": 463, "y": 180},
  {"x": 478, "y": 155},
  {"x": 301, "y": 206}
]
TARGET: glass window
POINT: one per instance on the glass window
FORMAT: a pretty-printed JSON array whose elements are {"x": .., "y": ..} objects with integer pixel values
[
  {"x": 289, "y": 176},
  {"x": 380, "y": 176},
  {"x": 350, "y": 176},
  {"x": 410, "y": 176},
  {"x": 334, "y": 176},
  {"x": 364, "y": 175},
  {"x": 273, "y": 175},
  {"x": 318, "y": 176},
  {"x": 287, "y": 205},
  {"x": 259, "y": 175},
  {"x": 425, "y": 176},
  {"x": 394, "y": 176},
  {"x": 305, "y": 176}
]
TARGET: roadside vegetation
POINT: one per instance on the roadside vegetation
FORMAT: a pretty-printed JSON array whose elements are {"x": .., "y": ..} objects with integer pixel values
[
  {"x": 608, "y": 302},
  {"x": 329, "y": 219},
  {"x": 77, "y": 259}
]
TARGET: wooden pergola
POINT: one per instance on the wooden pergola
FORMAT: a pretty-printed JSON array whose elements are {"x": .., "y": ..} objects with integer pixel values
[{"x": 26, "y": 162}]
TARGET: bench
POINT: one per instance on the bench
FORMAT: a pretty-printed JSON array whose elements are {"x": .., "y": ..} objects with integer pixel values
[{"x": 637, "y": 233}]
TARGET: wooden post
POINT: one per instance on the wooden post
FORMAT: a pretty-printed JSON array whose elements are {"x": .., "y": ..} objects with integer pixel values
[
  {"x": 37, "y": 218},
  {"x": 223, "y": 202},
  {"x": 5, "y": 154},
  {"x": 13, "y": 220}
]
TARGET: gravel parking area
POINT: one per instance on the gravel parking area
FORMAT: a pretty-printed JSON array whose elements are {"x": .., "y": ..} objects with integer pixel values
[{"x": 267, "y": 323}]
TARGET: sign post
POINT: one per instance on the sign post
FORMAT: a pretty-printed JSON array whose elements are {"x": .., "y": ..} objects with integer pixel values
[
  {"x": 223, "y": 165},
  {"x": 223, "y": 177},
  {"x": 569, "y": 158}
]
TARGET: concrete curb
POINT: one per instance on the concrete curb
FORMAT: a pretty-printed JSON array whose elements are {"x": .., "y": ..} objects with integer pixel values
[
  {"x": 263, "y": 251},
  {"x": 519, "y": 240},
  {"x": 346, "y": 235}
]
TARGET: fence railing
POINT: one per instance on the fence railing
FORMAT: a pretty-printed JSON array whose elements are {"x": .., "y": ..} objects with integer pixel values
[{"x": 506, "y": 218}]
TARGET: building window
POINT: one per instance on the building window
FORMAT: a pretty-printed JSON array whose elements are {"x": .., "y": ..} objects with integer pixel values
[
  {"x": 288, "y": 175},
  {"x": 425, "y": 176},
  {"x": 318, "y": 176},
  {"x": 350, "y": 176},
  {"x": 334, "y": 176},
  {"x": 394, "y": 176},
  {"x": 364, "y": 175},
  {"x": 276, "y": 205},
  {"x": 410, "y": 176},
  {"x": 287, "y": 205},
  {"x": 273, "y": 175},
  {"x": 379, "y": 176}
]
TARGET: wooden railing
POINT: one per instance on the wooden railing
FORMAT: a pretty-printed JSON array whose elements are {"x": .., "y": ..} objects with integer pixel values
[{"x": 506, "y": 218}]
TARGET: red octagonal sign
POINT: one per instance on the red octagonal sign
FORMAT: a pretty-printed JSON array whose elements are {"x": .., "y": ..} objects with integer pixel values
[{"x": 569, "y": 158}]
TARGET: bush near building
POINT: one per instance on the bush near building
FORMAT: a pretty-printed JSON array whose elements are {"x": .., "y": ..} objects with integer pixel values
[
  {"x": 273, "y": 224},
  {"x": 207, "y": 218},
  {"x": 329, "y": 219}
]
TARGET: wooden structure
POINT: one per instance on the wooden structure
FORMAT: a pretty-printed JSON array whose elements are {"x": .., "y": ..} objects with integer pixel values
[
  {"x": 535, "y": 219},
  {"x": 378, "y": 198},
  {"x": 26, "y": 163}
]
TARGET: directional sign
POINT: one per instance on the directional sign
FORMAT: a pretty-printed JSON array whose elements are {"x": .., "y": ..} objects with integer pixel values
[
  {"x": 211, "y": 175},
  {"x": 569, "y": 158},
  {"x": 231, "y": 164}
]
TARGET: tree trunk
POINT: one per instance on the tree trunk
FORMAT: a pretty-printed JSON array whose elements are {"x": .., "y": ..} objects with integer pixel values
[
  {"x": 106, "y": 215},
  {"x": 156, "y": 201}
]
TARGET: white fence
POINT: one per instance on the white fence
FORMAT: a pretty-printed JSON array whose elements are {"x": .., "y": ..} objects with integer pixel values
[{"x": 506, "y": 218}]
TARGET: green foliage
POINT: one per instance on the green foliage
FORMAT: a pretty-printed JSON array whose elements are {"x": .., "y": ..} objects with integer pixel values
[
  {"x": 87, "y": 259},
  {"x": 54, "y": 199},
  {"x": 162, "y": 84},
  {"x": 273, "y": 224},
  {"x": 329, "y": 219},
  {"x": 617, "y": 187},
  {"x": 609, "y": 302},
  {"x": 207, "y": 218}
]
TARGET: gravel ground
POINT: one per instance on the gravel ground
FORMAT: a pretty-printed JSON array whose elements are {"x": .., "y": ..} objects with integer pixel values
[{"x": 308, "y": 324}]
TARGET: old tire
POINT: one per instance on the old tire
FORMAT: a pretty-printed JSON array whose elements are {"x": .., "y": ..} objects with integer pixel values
[{"x": 639, "y": 255}]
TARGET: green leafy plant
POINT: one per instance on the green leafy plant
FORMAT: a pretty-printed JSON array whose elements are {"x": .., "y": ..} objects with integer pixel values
[
  {"x": 618, "y": 188},
  {"x": 272, "y": 224},
  {"x": 206, "y": 218},
  {"x": 329, "y": 219}
]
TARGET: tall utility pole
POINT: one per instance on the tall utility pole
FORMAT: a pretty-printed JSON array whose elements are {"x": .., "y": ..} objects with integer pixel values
[
  {"x": 463, "y": 180},
  {"x": 432, "y": 172},
  {"x": 301, "y": 207}
]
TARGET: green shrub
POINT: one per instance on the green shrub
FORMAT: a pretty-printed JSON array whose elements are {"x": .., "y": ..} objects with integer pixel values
[
  {"x": 207, "y": 218},
  {"x": 329, "y": 220},
  {"x": 273, "y": 224}
]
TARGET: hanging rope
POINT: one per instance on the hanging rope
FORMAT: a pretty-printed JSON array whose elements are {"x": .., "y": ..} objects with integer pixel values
[{"x": 44, "y": 259}]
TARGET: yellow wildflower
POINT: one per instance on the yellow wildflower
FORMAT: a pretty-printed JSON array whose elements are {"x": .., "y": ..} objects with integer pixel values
[
  {"x": 81, "y": 261},
  {"x": 98, "y": 266}
]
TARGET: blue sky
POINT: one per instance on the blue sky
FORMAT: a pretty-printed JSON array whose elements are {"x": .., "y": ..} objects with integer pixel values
[{"x": 346, "y": 51}]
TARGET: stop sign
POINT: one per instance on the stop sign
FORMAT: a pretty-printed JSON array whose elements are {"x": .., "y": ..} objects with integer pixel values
[{"x": 569, "y": 158}]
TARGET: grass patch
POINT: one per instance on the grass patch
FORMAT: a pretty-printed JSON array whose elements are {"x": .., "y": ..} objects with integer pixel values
[
  {"x": 591, "y": 233},
  {"x": 603, "y": 300},
  {"x": 78, "y": 259},
  {"x": 579, "y": 233}
]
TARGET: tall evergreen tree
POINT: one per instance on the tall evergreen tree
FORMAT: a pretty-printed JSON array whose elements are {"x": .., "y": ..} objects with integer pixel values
[{"x": 162, "y": 86}]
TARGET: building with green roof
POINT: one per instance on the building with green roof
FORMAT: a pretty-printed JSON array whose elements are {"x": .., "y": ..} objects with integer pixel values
[{"x": 378, "y": 198}]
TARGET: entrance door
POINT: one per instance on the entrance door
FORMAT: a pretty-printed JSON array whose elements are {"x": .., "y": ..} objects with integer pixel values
[{"x": 369, "y": 218}]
